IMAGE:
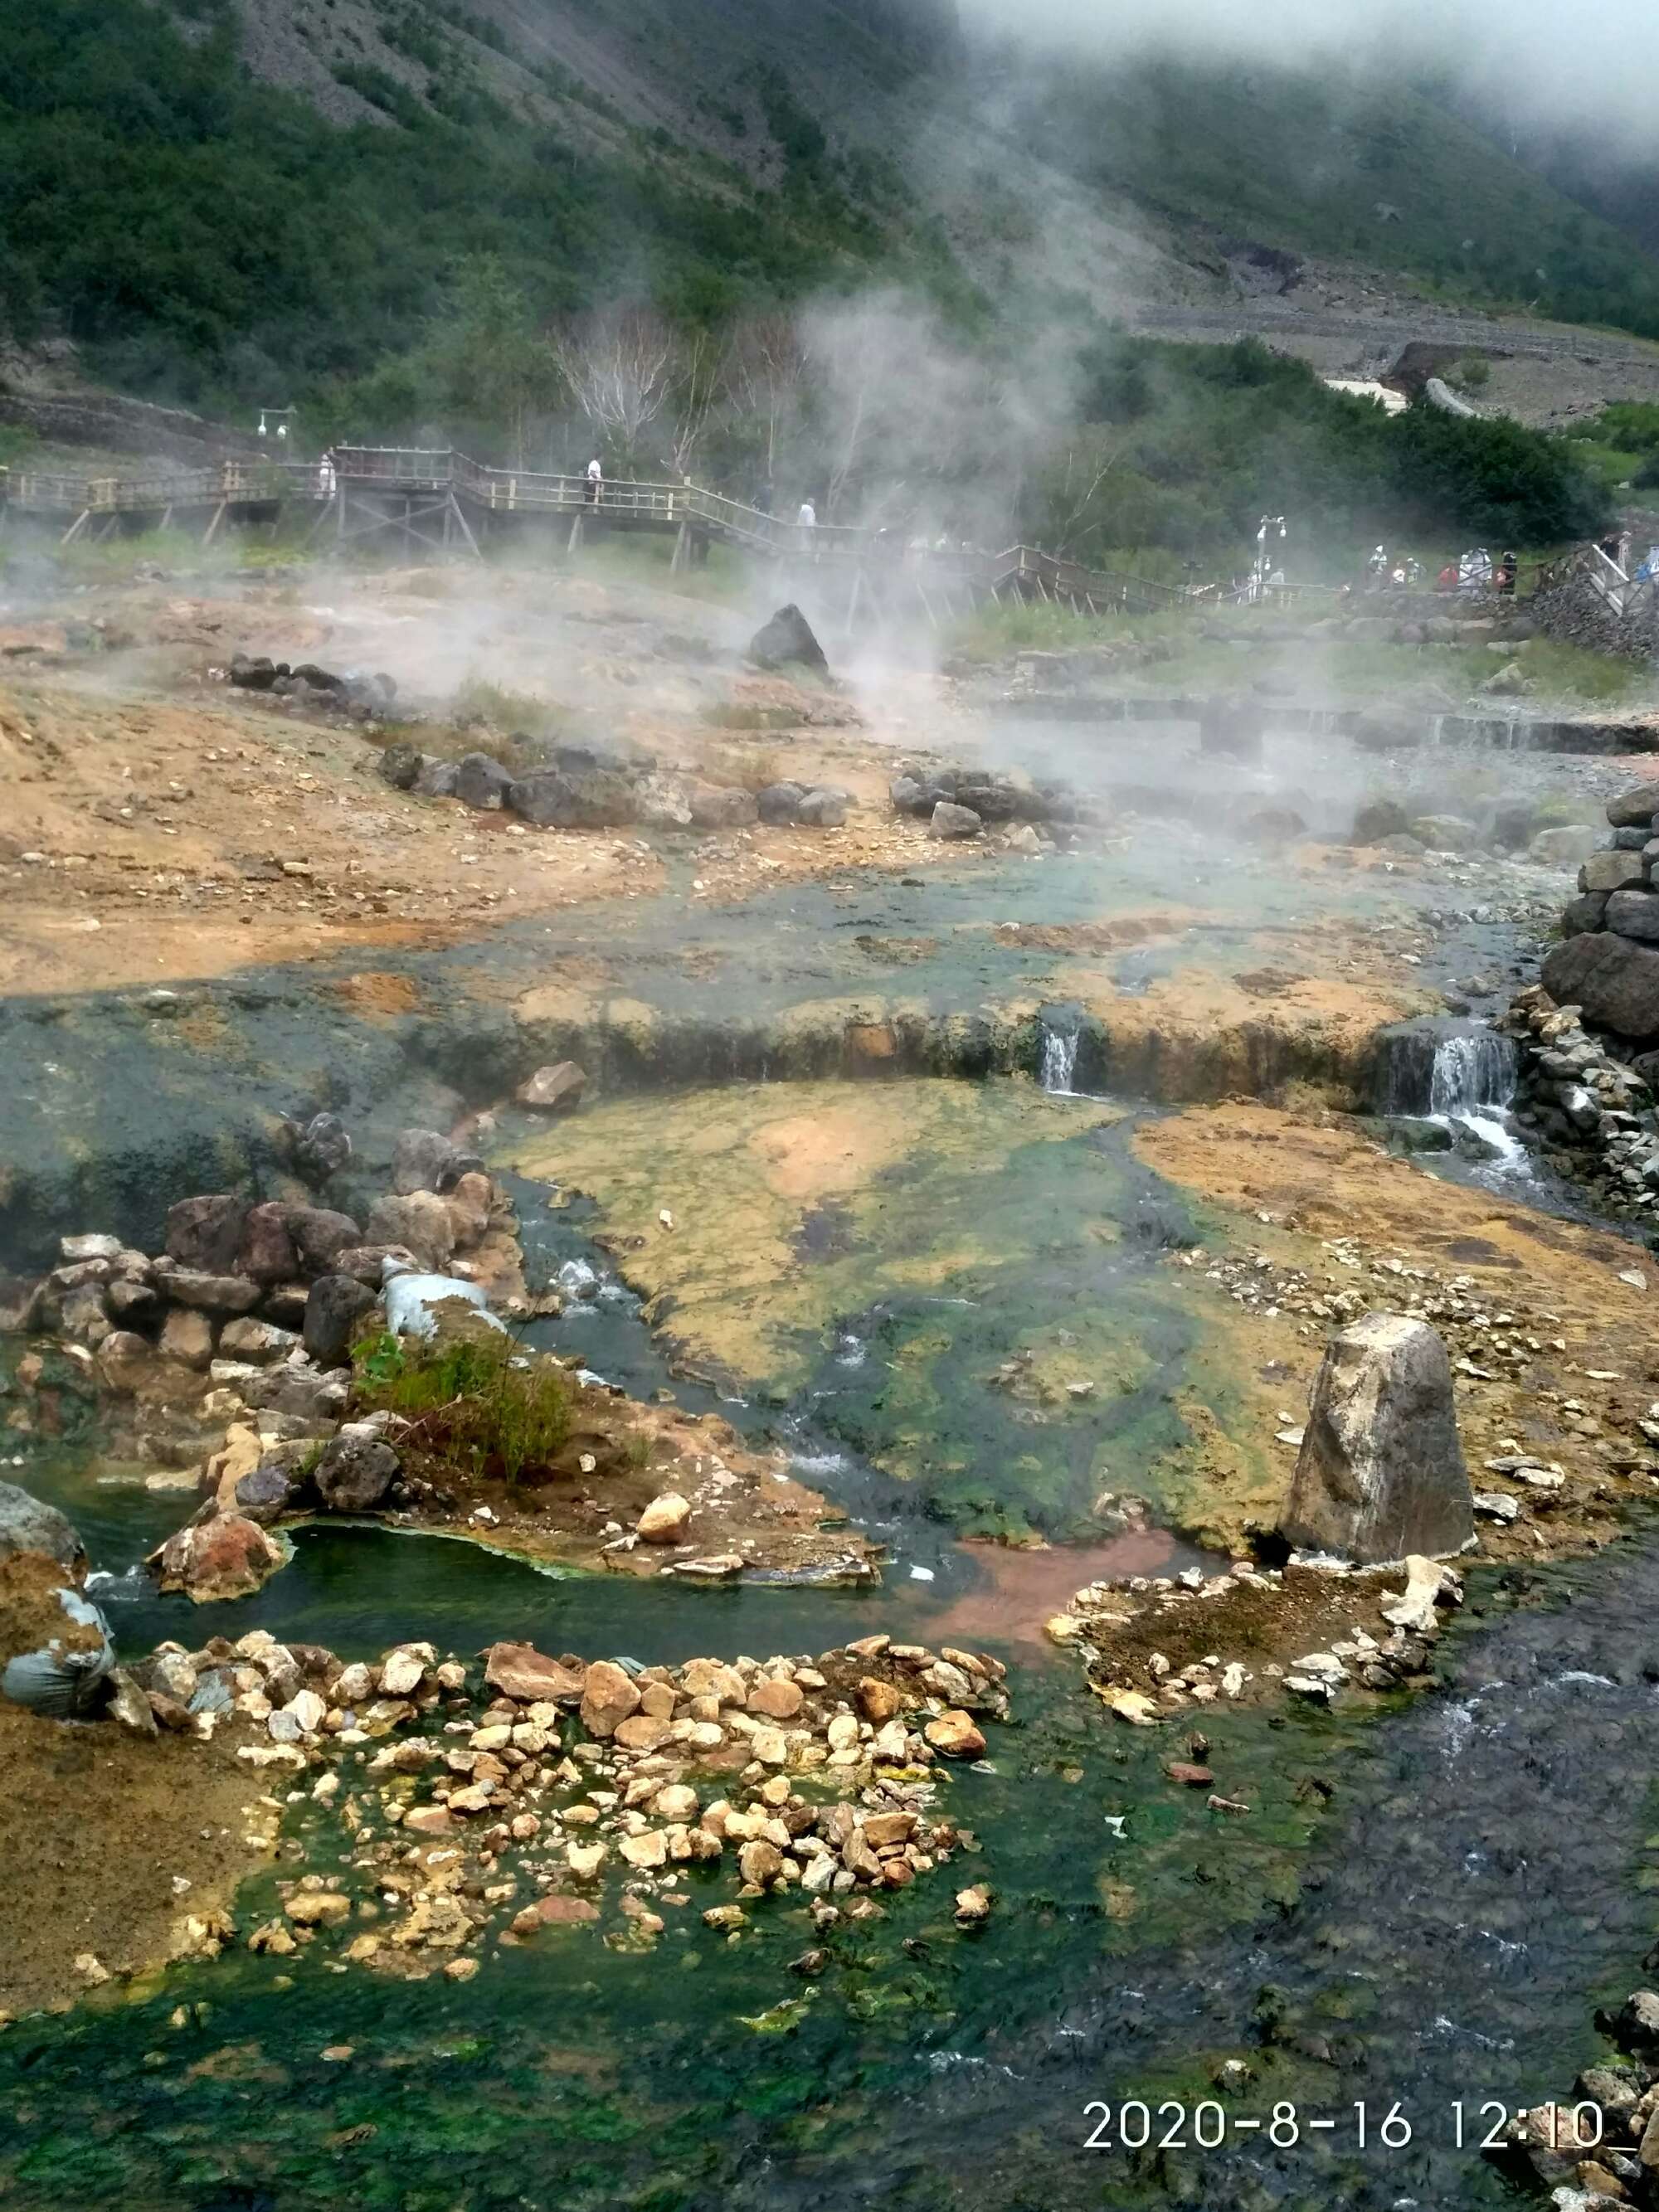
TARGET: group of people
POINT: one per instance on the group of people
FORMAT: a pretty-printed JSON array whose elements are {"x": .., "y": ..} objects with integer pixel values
[{"x": 1475, "y": 571}]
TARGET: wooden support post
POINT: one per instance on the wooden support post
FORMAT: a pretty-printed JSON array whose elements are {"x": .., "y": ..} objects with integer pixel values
[
  {"x": 853, "y": 598},
  {"x": 340, "y": 504},
  {"x": 575, "y": 535},
  {"x": 677, "y": 559},
  {"x": 76, "y": 526},
  {"x": 455, "y": 506},
  {"x": 212, "y": 531},
  {"x": 166, "y": 516}
]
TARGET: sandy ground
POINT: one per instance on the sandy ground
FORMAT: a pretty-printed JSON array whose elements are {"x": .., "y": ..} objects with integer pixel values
[{"x": 161, "y": 825}]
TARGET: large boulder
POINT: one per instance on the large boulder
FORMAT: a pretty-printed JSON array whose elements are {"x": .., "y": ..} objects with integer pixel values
[
  {"x": 591, "y": 798},
  {"x": 520, "y": 1671},
  {"x": 482, "y": 782},
  {"x": 949, "y": 820},
  {"x": 1634, "y": 913},
  {"x": 355, "y": 1472},
  {"x": 779, "y": 803},
  {"x": 1567, "y": 845},
  {"x": 1634, "y": 807},
  {"x": 553, "y": 1089},
  {"x": 1614, "y": 980},
  {"x": 205, "y": 1233},
  {"x": 423, "y": 1159},
  {"x": 420, "y": 1221},
  {"x": 319, "y": 1236},
  {"x": 720, "y": 806},
  {"x": 1381, "y": 1471},
  {"x": 222, "y": 1557},
  {"x": 267, "y": 1250},
  {"x": 823, "y": 810},
  {"x": 26, "y": 1525},
  {"x": 787, "y": 641},
  {"x": 334, "y": 1313},
  {"x": 1615, "y": 871},
  {"x": 1377, "y": 818}
]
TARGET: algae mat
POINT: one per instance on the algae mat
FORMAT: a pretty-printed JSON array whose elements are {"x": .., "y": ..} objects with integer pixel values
[{"x": 957, "y": 1281}]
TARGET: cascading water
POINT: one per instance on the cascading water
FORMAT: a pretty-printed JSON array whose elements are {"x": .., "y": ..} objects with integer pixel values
[
  {"x": 1058, "y": 1070},
  {"x": 1472, "y": 1080},
  {"x": 1471, "y": 1071},
  {"x": 1436, "y": 1071}
]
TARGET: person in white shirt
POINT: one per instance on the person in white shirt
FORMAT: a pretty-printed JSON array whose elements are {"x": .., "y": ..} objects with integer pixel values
[
  {"x": 595, "y": 478},
  {"x": 808, "y": 516}
]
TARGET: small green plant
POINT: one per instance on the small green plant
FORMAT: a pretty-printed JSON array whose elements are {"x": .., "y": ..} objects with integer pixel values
[{"x": 474, "y": 1399}]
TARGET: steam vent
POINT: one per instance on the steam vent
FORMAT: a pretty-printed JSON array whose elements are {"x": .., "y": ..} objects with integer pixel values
[{"x": 828, "y": 1080}]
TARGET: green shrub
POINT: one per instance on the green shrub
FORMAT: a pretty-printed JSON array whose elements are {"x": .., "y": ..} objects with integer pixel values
[{"x": 475, "y": 1399}]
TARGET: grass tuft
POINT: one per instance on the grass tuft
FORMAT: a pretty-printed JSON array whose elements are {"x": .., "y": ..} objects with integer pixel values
[{"x": 474, "y": 1400}]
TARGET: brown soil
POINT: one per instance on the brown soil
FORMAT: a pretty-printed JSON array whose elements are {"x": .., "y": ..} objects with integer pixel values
[
  {"x": 743, "y": 1503},
  {"x": 1553, "y": 1353},
  {"x": 77, "y": 1794}
]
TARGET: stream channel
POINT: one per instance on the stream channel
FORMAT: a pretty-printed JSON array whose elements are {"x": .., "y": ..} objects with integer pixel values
[{"x": 1424, "y": 1904}]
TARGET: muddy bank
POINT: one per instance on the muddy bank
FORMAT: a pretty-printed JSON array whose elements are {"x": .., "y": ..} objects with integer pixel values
[{"x": 82, "y": 1905}]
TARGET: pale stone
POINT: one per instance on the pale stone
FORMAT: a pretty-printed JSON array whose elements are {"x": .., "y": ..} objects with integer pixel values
[
  {"x": 609, "y": 1697},
  {"x": 664, "y": 1519},
  {"x": 1381, "y": 1471}
]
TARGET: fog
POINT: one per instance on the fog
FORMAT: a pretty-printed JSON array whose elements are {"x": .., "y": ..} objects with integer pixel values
[{"x": 1537, "y": 61}]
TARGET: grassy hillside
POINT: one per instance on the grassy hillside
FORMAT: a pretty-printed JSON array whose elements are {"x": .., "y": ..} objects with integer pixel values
[
  {"x": 1382, "y": 174},
  {"x": 211, "y": 239}
]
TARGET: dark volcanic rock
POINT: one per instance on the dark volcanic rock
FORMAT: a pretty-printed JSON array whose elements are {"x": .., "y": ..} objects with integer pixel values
[
  {"x": 334, "y": 1311},
  {"x": 267, "y": 1249},
  {"x": 482, "y": 782},
  {"x": 1587, "y": 912},
  {"x": 319, "y": 1147},
  {"x": 319, "y": 1236},
  {"x": 779, "y": 803},
  {"x": 400, "y": 764},
  {"x": 206, "y": 1233},
  {"x": 266, "y": 1494},
  {"x": 424, "y": 1159},
  {"x": 355, "y": 1472},
  {"x": 787, "y": 641},
  {"x": 594, "y": 799},
  {"x": 1379, "y": 818},
  {"x": 1615, "y": 981},
  {"x": 822, "y": 810}
]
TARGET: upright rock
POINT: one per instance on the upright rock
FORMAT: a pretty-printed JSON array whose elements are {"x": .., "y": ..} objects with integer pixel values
[
  {"x": 1381, "y": 1471},
  {"x": 787, "y": 642}
]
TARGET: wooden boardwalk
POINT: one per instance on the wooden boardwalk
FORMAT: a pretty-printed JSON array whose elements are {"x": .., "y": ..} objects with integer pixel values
[{"x": 437, "y": 499}]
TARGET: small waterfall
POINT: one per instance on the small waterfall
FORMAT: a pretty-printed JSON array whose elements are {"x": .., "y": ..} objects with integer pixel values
[
  {"x": 1058, "y": 1070},
  {"x": 1472, "y": 1081},
  {"x": 1471, "y": 1071},
  {"x": 1436, "y": 1070}
]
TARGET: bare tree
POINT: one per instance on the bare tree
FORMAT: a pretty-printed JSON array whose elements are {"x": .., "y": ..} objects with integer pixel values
[
  {"x": 766, "y": 373},
  {"x": 699, "y": 385},
  {"x": 619, "y": 368}
]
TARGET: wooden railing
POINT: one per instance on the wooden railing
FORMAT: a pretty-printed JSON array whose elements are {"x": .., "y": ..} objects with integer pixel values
[{"x": 441, "y": 471}]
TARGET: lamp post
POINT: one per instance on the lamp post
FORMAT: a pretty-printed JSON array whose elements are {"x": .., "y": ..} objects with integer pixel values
[{"x": 1270, "y": 526}]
